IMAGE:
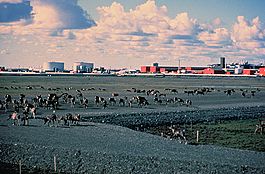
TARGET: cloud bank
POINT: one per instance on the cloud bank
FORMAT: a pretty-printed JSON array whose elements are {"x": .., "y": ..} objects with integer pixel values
[
  {"x": 43, "y": 15},
  {"x": 139, "y": 36}
]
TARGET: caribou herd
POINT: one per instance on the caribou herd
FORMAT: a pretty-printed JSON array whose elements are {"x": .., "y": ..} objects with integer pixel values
[{"x": 24, "y": 108}]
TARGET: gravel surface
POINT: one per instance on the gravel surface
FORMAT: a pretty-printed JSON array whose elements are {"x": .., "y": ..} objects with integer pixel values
[
  {"x": 107, "y": 148},
  {"x": 106, "y": 141}
]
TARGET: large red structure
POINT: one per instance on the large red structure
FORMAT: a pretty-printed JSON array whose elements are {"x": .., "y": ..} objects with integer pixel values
[
  {"x": 145, "y": 69},
  {"x": 199, "y": 70},
  {"x": 154, "y": 69},
  {"x": 195, "y": 70},
  {"x": 249, "y": 71},
  {"x": 213, "y": 71},
  {"x": 262, "y": 71},
  {"x": 2, "y": 68}
]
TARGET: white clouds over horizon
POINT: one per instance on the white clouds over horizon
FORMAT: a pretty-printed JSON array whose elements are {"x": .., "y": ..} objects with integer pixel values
[{"x": 135, "y": 37}]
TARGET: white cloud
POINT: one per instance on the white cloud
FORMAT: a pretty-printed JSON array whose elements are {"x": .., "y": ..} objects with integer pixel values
[
  {"x": 247, "y": 34},
  {"x": 139, "y": 36},
  {"x": 48, "y": 17},
  {"x": 184, "y": 25},
  {"x": 62, "y": 14},
  {"x": 217, "y": 37}
]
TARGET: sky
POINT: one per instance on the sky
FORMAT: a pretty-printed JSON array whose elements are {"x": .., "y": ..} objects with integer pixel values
[{"x": 126, "y": 33}]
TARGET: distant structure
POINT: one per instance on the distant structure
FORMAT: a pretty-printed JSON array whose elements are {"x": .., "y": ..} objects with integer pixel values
[
  {"x": 170, "y": 69},
  {"x": 155, "y": 64},
  {"x": 222, "y": 62},
  {"x": 242, "y": 68},
  {"x": 83, "y": 67},
  {"x": 2, "y": 68},
  {"x": 53, "y": 66}
]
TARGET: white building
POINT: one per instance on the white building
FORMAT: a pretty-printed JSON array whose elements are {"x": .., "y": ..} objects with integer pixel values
[
  {"x": 83, "y": 67},
  {"x": 53, "y": 66}
]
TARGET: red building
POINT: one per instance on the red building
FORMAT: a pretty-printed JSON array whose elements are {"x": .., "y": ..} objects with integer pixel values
[
  {"x": 154, "y": 69},
  {"x": 163, "y": 70},
  {"x": 145, "y": 69},
  {"x": 249, "y": 71},
  {"x": 2, "y": 69},
  {"x": 262, "y": 71},
  {"x": 168, "y": 69},
  {"x": 213, "y": 71},
  {"x": 195, "y": 70}
]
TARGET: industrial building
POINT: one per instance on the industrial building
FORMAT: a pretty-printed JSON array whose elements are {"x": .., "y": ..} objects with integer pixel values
[
  {"x": 2, "y": 68},
  {"x": 53, "y": 66},
  {"x": 222, "y": 62},
  {"x": 213, "y": 71},
  {"x": 195, "y": 69},
  {"x": 221, "y": 68},
  {"x": 155, "y": 68},
  {"x": 83, "y": 67},
  {"x": 262, "y": 71}
]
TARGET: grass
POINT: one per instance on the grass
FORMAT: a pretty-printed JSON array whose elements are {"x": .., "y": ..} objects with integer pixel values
[{"x": 237, "y": 134}]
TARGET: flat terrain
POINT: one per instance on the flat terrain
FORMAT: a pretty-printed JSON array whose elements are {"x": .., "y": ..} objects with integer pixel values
[{"x": 122, "y": 139}]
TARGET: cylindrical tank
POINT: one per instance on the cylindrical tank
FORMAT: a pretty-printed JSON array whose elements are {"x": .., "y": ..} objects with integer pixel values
[
  {"x": 53, "y": 66},
  {"x": 238, "y": 70},
  {"x": 83, "y": 67}
]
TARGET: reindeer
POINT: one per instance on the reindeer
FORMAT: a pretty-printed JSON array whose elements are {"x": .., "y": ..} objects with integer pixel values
[
  {"x": 15, "y": 117},
  {"x": 85, "y": 102},
  {"x": 188, "y": 102},
  {"x": 141, "y": 101},
  {"x": 174, "y": 91},
  {"x": 114, "y": 94},
  {"x": 178, "y": 100},
  {"x": 30, "y": 108},
  {"x": 157, "y": 100},
  {"x": 169, "y": 100},
  {"x": 112, "y": 101},
  {"x": 260, "y": 127},
  {"x": 50, "y": 118},
  {"x": 8, "y": 99},
  {"x": 121, "y": 102},
  {"x": 76, "y": 119},
  {"x": 99, "y": 100},
  {"x": 189, "y": 92},
  {"x": 16, "y": 105},
  {"x": 178, "y": 133}
]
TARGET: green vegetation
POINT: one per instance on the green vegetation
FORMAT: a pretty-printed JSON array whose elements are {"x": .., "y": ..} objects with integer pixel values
[{"x": 235, "y": 134}]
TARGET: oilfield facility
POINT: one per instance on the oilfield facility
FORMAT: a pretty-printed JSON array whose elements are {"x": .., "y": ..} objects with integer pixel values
[
  {"x": 85, "y": 68},
  {"x": 221, "y": 68}
]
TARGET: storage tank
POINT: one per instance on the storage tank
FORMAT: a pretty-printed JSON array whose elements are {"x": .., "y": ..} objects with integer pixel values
[
  {"x": 53, "y": 66},
  {"x": 238, "y": 70},
  {"x": 83, "y": 67}
]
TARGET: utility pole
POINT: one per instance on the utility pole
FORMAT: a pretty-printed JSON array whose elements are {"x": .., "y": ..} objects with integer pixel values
[{"x": 179, "y": 67}]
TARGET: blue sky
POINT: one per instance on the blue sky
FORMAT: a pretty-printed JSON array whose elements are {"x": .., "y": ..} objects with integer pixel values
[
  {"x": 198, "y": 32},
  {"x": 203, "y": 10}
]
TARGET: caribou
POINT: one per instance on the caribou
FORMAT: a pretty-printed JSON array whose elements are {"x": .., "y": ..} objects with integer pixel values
[
  {"x": 15, "y": 117},
  {"x": 178, "y": 133}
]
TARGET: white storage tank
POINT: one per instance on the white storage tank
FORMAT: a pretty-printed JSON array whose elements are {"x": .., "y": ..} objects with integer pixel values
[
  {"x": 83, "y": 67},
  {"x": 238, "y": 70},
  {"x": 53, "y": 66}
]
